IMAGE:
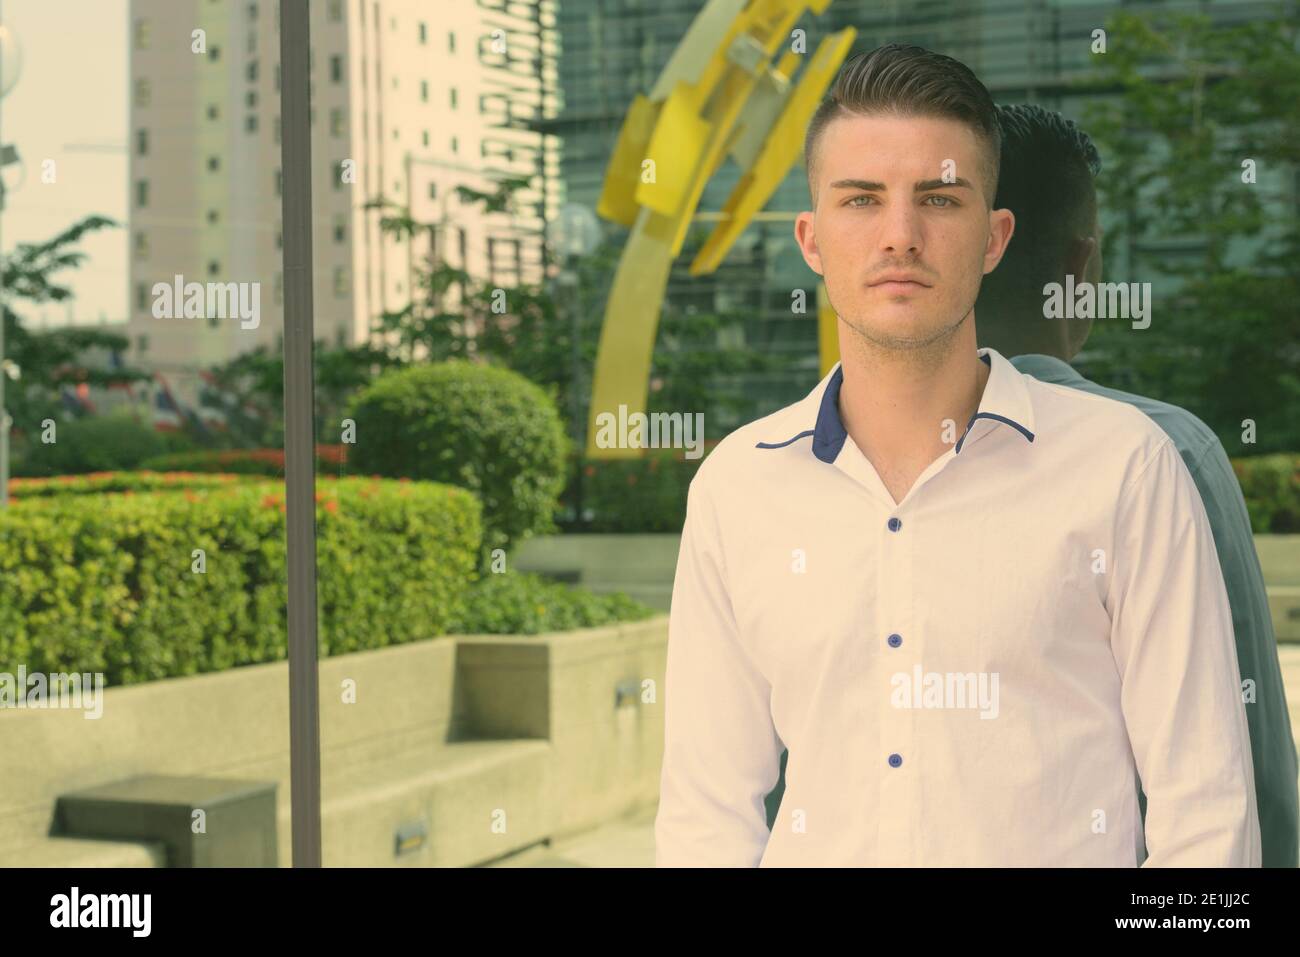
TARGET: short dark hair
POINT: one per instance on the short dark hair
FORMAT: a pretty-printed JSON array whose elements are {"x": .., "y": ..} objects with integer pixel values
[
  {"x": 1046, "y": 180},
  {"x": 907, "y": 80}
]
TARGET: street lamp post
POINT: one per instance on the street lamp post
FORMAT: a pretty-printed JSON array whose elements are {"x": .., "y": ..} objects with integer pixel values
[{"x": 10, "y": 63}]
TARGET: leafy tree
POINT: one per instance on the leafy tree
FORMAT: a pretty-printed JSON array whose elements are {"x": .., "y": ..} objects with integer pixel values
[
  {"x": 1201, "y": 107},
  {"x": 47, "y": 361}
]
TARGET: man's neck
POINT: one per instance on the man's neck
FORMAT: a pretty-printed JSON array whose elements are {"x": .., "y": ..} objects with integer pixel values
[{"x": 904, "y": 409}]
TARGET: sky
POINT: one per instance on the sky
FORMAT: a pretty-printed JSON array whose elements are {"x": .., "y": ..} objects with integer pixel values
[{"x": 70, "y": 105}]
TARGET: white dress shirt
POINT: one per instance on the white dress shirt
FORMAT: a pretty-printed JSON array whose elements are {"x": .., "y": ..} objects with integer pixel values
[{"x": 978, "y": 675}]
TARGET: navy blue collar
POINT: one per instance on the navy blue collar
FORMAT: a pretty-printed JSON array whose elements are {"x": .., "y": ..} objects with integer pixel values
[{"x": 828, "y": 434}]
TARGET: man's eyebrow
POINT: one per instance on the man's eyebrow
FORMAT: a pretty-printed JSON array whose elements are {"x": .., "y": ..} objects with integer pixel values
[{"x": 918, "y": 187}]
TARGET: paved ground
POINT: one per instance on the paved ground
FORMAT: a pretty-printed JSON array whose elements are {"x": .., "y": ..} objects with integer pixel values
[{"x": 630, "y": 842}]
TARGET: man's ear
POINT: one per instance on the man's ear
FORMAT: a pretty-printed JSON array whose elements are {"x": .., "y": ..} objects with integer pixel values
[
  {"x": 805, "y": 235},
  {"x": 1002, "y": 223}
]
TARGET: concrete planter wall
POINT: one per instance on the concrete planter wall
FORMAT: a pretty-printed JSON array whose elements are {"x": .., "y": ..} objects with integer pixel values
[
  {"x": 641, "y": 565},
  {"x": 484, "y": 744}
]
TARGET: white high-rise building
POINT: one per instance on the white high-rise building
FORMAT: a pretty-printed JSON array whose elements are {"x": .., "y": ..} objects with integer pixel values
[{"x": 410, "y": 99}]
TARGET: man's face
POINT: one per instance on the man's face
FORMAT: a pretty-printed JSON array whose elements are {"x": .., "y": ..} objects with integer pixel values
[{"x": 901, "y": 233}]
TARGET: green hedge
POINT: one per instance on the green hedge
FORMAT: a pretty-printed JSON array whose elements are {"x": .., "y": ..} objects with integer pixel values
[
  {"x": 97, "y": 483},
  {"x": 329, "y": 458},
  {"x": 105, "y": 584},
  {"x": 518, "y": 603},
  {"x": 94, "y": 444},
  {"x": 646, "y": 494},
  {"x": 1271, "y": 486},
  {"x": 485, "y": 429}
]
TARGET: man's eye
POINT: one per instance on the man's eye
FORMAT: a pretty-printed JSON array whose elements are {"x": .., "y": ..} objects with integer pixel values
[
  {"x": 854, "y": 201},
  {"x": 947, "y": 201}
]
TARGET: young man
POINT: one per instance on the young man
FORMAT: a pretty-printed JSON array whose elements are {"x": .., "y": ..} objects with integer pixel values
[
  {"x": 977, "y": 608},
  {"x": 1047, "y": 182}
]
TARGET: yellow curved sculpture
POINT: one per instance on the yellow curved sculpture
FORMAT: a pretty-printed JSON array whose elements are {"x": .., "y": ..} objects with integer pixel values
[{"x": 672, "y": 141}]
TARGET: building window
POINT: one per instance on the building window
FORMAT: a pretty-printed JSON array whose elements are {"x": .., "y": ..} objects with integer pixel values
[
  {"x": 424, "y": 32},
  {"x": 338, "y": 175},
  {"x": 340, "y": 282},
  {"x": 252, "y": 11},
  {"x": 453, "y": 97},
  {"x": 214, "y": 163},
  {"x": 252, "y": 43},
  {"x": 451, "y": 43},
  {"x": 433, "y": 190},
  {"x": 252, "y": 72},
  {"x": 141, "y": 142},
  {"x": 424, "y": 91},
  {"x": 336, "y": 10},
  {"x": 336, "y": 69},
  {"x": 250, "y": 124},
  {"x": 213, "y": 216},
  {"x": 214, "y": 52},
  {"x": 143, "y": 92},
  {"x": 141, "y": 245},
  {"x": 214, "y": 267},
  {"x": 142, "y": 344},
  {"x": 336, "y": 122},
  {"x": 142, "y": 296},
  {"x": 425, "y": 137},
  {"x": 214, "y": 111},
  {"x": 142, "y": 192},
  {"x": 142, "y": 34},
  {"x": 250, "y": 99},
  {"x": 340, "y": 228},
  {"x": 341, "y": 336},
  {"x": 279, "y": 183},
  {"x": 455, "y": 145},
  {"x": 279, "y": 239}
]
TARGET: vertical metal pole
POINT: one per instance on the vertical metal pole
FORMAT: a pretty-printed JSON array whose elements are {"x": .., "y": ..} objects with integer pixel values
[
  {"x": 4, "y": 413},
  {"x": 299, "y": 432}
]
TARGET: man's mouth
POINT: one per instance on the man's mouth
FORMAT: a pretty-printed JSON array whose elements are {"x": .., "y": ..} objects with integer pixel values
[{"x": 898, "y": 282}]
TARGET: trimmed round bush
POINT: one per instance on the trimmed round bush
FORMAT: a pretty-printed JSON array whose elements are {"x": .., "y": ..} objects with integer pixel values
[{"x": 485, "y": 429}]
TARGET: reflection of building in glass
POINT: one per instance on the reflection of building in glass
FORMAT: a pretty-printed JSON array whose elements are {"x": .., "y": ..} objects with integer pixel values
[
  {"x": 410, "y": 101},
  {"x": 1023, "y": 50}
]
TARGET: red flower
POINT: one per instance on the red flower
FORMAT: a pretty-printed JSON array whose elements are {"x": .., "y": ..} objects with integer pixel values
[
  {"x": 589, "y": 471},
  {"x": 331, "y": 506}
]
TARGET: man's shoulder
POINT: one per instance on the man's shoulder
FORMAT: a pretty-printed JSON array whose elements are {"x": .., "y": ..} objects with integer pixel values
[
  {"x": 1188, "y": 432},
  {"x": 752, "y": 449},
  {"x": 1097, "y": 425}
]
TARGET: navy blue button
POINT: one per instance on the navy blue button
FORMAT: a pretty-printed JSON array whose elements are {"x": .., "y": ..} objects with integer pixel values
[
  {"x": 895, "y": 640},
  {"x": 895, "y": 524},
  {"x": 895, "y": 760}
]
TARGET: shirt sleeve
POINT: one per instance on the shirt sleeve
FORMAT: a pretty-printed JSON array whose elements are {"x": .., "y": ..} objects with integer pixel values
[
  {"x": 721, "y": 749},
  {"x": 1171, "y": 634},
  {"x": 1272, "y": 744}
]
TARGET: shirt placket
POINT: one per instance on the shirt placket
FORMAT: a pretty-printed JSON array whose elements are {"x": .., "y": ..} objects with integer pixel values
[{"x": 897, "y": 821}]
